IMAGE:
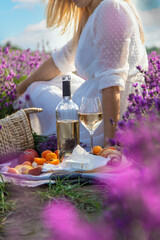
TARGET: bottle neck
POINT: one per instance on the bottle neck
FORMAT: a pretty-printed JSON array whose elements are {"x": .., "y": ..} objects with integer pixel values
[{"x": 66, "y": 97}]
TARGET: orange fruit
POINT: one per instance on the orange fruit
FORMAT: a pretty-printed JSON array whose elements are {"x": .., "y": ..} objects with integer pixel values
[
  {"x": 44, "y": 153},
  {"x": 97, "y": 150},
  {"x": 54, "y": 161},
  {"x": 50, "y": 156},
  {"x": 40, "y": 161}
]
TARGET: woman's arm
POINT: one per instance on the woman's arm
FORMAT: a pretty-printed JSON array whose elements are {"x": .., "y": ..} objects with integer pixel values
[
  {"x": 111, "y": 110},
  {"x": 45, "y": 72}
]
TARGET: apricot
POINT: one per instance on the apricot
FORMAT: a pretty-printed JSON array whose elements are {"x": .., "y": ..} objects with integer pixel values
[
  {"x": 54, "y": 161},
  {"x": 13, "y": 170},
  {"x": 35, "y": 171},
  {"x": 34, "y": 152},
  {"x": 44, "y": 153},
  {"x": 40, "y": 161},
  {"x": 23, "y": 169},
  {"x": 97, "y": 150},
  {"x": 50, "y": 156},
  {"x": 26, "y": 156}
]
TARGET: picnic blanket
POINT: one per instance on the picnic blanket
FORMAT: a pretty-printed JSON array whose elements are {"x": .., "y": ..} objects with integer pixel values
[
  {"x": 91, "y": 176},
  {"x": 45, "y": 178}
]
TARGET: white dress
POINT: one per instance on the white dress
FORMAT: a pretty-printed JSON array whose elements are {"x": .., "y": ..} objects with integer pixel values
[{"x": 108, "y": 51}]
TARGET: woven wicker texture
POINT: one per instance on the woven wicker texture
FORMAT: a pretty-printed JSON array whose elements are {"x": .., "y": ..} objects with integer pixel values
[{"x": 16, "y": 134}]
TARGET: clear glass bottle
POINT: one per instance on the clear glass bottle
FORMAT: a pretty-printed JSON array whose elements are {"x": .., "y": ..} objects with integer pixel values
[{"x": 67, "y": 121}]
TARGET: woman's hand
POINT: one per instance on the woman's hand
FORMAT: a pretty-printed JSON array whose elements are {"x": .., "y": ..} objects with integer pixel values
[
  {"x": 45, "y": 72},
  {"x": 111, "y": 110}
]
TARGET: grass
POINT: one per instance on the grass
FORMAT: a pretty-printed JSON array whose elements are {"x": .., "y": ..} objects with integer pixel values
[
  {"x": 5, "y": 204},
  {"x": 86, "y": 198},
  {"x": 21, "y": 207},
  {"x": 23, "y": 216}
]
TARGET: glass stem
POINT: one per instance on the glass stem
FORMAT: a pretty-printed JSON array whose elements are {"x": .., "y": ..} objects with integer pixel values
[{"x": 91, "y": 135}]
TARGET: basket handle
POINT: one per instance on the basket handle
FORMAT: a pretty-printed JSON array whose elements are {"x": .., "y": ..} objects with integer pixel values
[{"x": 32, "y": 110}]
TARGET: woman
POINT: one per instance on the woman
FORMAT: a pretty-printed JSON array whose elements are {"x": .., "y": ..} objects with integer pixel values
[{"x": 107, "y": 45}]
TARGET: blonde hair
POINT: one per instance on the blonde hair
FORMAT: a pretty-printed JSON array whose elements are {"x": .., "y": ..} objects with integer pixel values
[{"x": 64, "y": 13}]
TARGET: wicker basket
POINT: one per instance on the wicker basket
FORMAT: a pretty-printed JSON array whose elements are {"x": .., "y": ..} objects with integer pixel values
[{"x": 16, "y": 134}]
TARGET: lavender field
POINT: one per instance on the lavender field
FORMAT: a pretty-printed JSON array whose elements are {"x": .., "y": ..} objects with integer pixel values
[
  {"x": 15, "y": 66},
  {"x": 130, "y": 207}
]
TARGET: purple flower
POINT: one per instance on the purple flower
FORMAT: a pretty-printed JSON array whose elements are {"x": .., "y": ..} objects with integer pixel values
[
  {"x": 112, "y": 121},
  {"x": 64, "y": 223},
  {"x": 6, "y": 104},
  {"x": 135, "y": 85},
  {"x": 131, "y": 97},
  {"x": 143, "y": 86},
  {"x": 121, "y": 124},
  {"x": 112, "y": 142},
  {"x": 6, "y": 50},
  {"x": 50, "y": 143},
  {"x": 27, "y": 97},
  {"x": 0, "y": 127},
  {"x": 3, "y": 61},
  {"x": 126, "y": 114},
  {"x": 139, "y": 68},
  {"x": 157, "y": 104},
  {"x": 18, "y": 76}
]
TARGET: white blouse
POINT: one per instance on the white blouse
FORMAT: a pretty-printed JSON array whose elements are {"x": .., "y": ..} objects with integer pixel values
[{"x": 109, "y": 48}]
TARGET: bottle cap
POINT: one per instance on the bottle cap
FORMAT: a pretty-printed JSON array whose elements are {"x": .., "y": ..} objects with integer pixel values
[{"x": 66, "y": 85}]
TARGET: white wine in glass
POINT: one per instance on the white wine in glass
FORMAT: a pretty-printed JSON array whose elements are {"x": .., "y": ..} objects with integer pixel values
[{"x": 91, "y": 115}]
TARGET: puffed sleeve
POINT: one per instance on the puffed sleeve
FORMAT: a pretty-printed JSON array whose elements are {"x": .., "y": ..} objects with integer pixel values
[
  {"x": 64, "y": 57},
  {"x": 113, "y": 30}
]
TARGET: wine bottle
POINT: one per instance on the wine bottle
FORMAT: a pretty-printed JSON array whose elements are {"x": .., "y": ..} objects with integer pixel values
[{"x": 67, "y": 121}]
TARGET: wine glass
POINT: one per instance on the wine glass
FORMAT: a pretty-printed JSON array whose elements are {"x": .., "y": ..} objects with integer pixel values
[{"x": 91, "y": 115}]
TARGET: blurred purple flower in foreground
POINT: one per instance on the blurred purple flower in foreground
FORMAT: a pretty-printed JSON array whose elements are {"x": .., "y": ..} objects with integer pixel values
[
  {"x": 141, "y": 142},
  {"x": 131, "y": 207},
  {"x": 65, "y": 223}
]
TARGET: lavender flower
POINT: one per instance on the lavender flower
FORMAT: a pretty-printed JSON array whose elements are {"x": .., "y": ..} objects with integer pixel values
[
  {"x": 14, "y": 67},
  {"x": 48, "y": 143},
  {"x": 73, "y": 226},
  {"x": 27, "y": 97},
  {"x": 147, "y": 102}
]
